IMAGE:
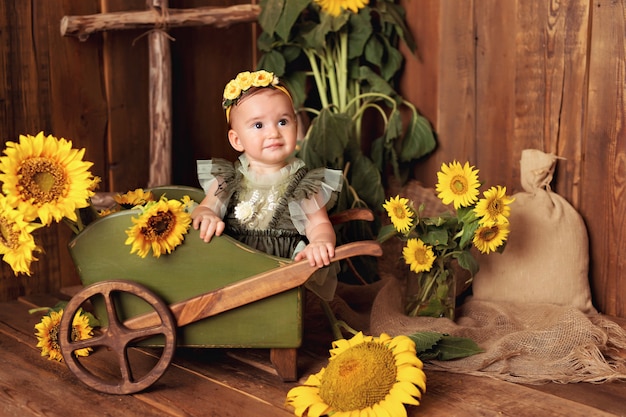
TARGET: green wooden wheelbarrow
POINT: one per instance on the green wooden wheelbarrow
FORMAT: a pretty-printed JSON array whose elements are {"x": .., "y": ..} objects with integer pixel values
[{"x": 253, "y": 300}]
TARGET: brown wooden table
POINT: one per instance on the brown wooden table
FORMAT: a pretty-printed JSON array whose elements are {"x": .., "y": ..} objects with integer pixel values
[{"x": 242, "y": 382}]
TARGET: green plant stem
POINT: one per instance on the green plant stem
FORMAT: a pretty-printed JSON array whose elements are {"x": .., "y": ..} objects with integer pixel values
[
  {"x": 428, "y": 286},
  {"x": 73, "y": 227},
  {"x": 319, "y": 80},
  {"x": 39, "y": 310},
  {"x": 432, "y": 278},
  {"x": 310, "y": 110},
  {"x": 356, "y": 92},
  {"x": 410, "y": 106},
  {"x": 362, "y": 109},
  {"x": 342, "y": 76},
  {"x": 355, "y": 100},
  {"x": 335, "y": 324},
  {"x": 328, "y": 63}
]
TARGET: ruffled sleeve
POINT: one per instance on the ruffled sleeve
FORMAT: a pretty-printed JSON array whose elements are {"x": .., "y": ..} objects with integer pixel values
[
  {"x": 217, "y": 177},
  {"x": 319, "y": 188}
]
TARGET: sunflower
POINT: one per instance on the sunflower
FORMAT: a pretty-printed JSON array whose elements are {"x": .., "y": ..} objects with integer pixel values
[
  {"x": 45, "y": 178},
  {"x": 139, "y": 197},
  {"x": 335, "y": 7},
  {"x": 488, "y": 238},
  {"x": 418, "y": 255},
  {"x": 161, "y": 226},
  {"x": 458, "y": 184},
  {"x": 494, "y": 208},
  {"x": 95, "y": 183},
  {"x": 16, "y": 241},
  {"x": 365, "y": 376},
  {"x": 106, "y": 211},
  {"x": 47, "y": 332},
  {"x": 399, "y": 213},
  {"x": 188, "y": 203}
]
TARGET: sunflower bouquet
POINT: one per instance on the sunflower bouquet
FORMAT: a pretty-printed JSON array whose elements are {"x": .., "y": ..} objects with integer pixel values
[
  {"x": 44, "y": 180},
  {"x": 433, "y": 243}
]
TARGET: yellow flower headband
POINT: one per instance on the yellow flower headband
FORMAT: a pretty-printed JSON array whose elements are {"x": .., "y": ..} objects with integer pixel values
[{"x": 237, "y": 87}]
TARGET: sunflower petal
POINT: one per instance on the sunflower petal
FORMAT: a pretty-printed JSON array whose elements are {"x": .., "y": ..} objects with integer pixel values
[
  {"x": 301, "y": 391},
  {"x": 401, "y": 395},
  {"x": 408, "y": 358},
  {"x": 380, "y": 411},
  {"x": 403, "y": 344},
  {"x": 394, "y": 408},
  {"x": 314, "y": 380},
  {"x": 409, "y": 388},
  {"x": 318, "y": 409},
  {"x": 414, "y": 375}
]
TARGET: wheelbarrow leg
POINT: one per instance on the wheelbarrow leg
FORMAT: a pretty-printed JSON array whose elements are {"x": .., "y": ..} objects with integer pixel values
[{"x": 285, "y": 363}]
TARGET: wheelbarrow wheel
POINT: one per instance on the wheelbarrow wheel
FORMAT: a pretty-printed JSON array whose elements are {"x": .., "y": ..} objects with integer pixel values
[{"x": 117, "y": 337}]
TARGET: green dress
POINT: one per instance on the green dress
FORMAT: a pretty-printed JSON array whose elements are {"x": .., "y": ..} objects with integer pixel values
[{"x": 269, "y": 212}]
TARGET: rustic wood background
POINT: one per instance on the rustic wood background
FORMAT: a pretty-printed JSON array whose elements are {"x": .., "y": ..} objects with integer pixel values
[{"x": 494, "y": 77}]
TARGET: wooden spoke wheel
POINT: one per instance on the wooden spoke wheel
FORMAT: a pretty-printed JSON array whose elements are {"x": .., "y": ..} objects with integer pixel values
[{"x": 117, "y": 337}]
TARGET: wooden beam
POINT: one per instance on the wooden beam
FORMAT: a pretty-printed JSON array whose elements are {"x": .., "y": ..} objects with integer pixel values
[
  {"x": 158, "y": 18},
  {"x": 83, "y": 26},
  {"x": 160, "y": 99}
]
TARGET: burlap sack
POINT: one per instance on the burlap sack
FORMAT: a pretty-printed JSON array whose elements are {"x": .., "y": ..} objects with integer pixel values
[{"x": 546, "y": 259}]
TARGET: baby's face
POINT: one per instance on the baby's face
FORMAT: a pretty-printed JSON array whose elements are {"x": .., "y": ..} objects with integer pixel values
[{"x": 263, "y": 125}]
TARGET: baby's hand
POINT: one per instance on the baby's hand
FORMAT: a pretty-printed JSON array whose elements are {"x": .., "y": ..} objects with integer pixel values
[
  {"x": 208, "y": 222},
  {"x": 319, "y": 253}
]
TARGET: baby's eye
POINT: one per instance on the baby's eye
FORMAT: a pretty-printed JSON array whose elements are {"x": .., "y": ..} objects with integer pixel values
[
  {"x": 258, "y": 125},
  {"x": 283, "y": 122}
]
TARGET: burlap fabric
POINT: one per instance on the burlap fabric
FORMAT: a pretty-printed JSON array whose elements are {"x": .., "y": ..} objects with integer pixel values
[
  {"x": 535, "y": 324},
  {"x": 522, "y": 342}
]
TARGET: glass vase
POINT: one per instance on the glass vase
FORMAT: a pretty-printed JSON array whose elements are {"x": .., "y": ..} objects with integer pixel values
[{"x": 431, "y": 293}]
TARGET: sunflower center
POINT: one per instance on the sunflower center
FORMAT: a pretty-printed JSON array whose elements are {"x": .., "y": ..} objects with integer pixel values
[
  {"x": 53, "y": 335},
  {"x": 459, "y": 184},
  {"x": 359, "y": 377},
  {"x": 42, "y": 180},
  {"x": 487, "y": 234},
  {"x": 399, "y": 212},
  {"x": 495, "y": 207},
  {"x": 158, "y": 225},
  {"x": 76, "y": 335},
  {"x": 8, "y": 236},
  {"x": 421, "y": 255}
]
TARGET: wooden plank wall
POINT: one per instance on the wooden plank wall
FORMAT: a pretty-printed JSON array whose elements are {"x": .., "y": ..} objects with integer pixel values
[
  {"x": 497, "y": 77},
  {"x": 50, "y": 85},
  {"x": 494, "y": 77}
]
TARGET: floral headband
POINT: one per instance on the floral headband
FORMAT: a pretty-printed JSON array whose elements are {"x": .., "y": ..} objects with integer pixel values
[{"x": 236, "y": 88}]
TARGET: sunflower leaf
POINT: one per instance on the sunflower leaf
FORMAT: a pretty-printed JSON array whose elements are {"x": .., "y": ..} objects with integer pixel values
[
  {"x": 443, "y": 347},
  {"x": 93, "y": 321},
  {"x": 467, "y": 261},
  {"x": 451, "y": 347},
  {"x": 386, "y": 232},
  {"x": 425, "y": 341}
]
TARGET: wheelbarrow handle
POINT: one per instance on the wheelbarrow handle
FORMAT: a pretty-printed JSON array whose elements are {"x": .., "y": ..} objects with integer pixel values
[{"x": 251, "y": 289}]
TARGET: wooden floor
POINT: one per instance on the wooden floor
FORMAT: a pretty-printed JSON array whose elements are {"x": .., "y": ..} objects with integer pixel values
[{"x": 242, "y": 383}]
